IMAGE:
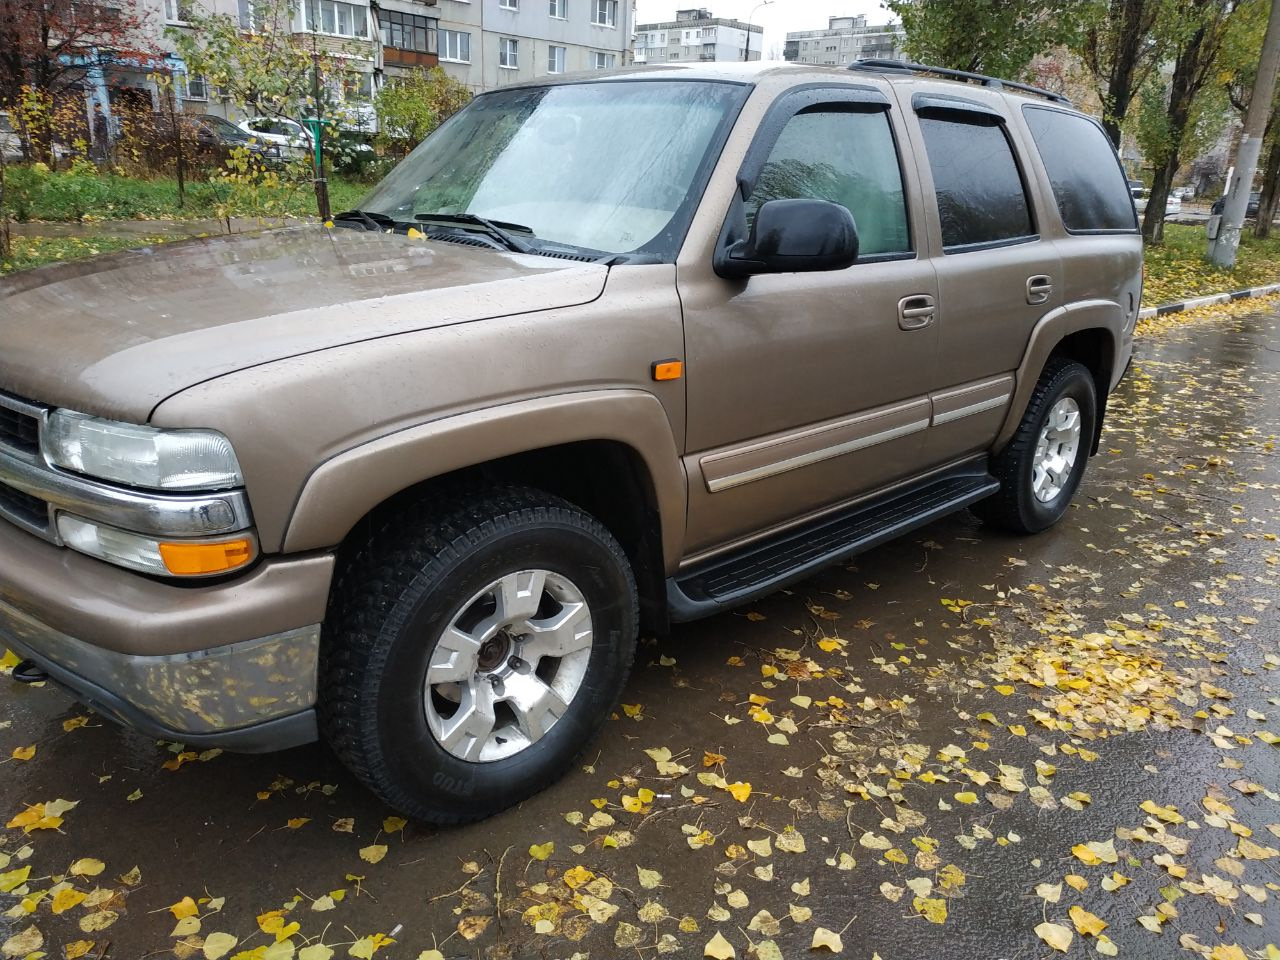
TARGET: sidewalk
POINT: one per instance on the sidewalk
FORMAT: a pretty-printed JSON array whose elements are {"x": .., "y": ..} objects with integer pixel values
[{"x": 148, "y": 228}]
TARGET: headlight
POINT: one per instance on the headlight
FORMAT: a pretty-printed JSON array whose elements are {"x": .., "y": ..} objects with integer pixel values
[{"x": 138, "y": 456}]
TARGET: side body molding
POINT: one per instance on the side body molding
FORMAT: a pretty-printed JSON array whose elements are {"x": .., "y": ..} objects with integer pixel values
[
  {"x": 1105, "y": 316},
  {"x": 346, "y": 487}
]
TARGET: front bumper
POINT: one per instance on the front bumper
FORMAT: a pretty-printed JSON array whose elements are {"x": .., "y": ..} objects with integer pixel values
[
  {"x": 252, "y": 697},
  {"x": 230, "y": 664}
]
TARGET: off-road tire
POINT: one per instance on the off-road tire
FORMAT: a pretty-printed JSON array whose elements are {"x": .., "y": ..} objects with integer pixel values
[
  {"x": 1014, "y": 506},
  {"x": 391, "y": 599}
]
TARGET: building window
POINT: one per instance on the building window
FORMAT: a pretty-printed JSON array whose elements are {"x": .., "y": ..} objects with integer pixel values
[
  {"x": 407, "y": 31},
  {"x": 603, "y": 61},
  {"x": 509, "y": 4},
  {"x": 508, "y": 53},
  {"x": 455, "y": 45},
  {"x": 555, "y": 59},
  {"x": 248, "y": 18},
  {"x": 177, "y": 11},
  {"x": 193, "y": 87},
  {"x": 357, "y": 88},
  {"x": 557, "y": 9},
  {"x": 335, "y": 17},
  {"x": 605, "y": 13}
]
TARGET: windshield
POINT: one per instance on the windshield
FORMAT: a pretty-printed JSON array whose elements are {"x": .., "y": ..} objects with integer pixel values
[
  {"x": 613, "y": 167},
  {"x": 224, "y": 128}
]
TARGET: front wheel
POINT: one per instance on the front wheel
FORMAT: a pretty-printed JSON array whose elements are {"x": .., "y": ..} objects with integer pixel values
[
  {"x": 1041, "y": 467},
  {"x": 473, "y": 650}
]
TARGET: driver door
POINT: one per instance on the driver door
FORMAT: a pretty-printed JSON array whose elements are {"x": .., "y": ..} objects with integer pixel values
[{"x": 807, "y": 389}]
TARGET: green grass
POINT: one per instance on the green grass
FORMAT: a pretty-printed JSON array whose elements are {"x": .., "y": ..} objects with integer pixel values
[
  {"x": 32, "y": 194},
  {"x": 1178, "y": 269},
  {"x": 38, "y": 251}
]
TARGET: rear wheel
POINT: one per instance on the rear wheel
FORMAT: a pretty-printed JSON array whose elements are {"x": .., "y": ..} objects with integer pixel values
[
  {"x": 473, "y": 650},
  {"x": 1040, "y": 469}
]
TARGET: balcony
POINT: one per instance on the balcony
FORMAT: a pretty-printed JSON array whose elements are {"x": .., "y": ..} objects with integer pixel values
[{"x": 395, "y": 57}]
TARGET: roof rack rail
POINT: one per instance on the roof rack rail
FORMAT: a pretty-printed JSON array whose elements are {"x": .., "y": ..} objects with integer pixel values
[{"x": 874, "y": 65}]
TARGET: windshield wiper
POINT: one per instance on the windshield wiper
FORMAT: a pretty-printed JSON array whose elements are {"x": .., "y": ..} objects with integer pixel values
[
  {"x": 377, "y": 222},
  {"x": 497, "y": 229}
]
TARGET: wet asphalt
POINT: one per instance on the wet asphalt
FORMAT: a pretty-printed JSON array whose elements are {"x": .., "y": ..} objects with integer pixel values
[{"x": 968, "y": 708}]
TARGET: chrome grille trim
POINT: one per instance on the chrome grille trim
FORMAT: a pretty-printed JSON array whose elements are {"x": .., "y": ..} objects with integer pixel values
[
  {"x": 17, "y": 503},
  {"x": 16, "y": 407},
  {"x": 149, "y": 514}
]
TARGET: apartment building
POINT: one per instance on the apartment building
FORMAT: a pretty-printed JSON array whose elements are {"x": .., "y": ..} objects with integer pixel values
[
  {"x": 483, "y": 43},
  {"x": 492, "y": 43},
  {"x": 697, "y": 35},
  {"x": 846, "y": 39}
]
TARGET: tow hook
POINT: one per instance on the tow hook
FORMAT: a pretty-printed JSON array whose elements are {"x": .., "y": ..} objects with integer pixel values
[{"x": 28, "y": 671}]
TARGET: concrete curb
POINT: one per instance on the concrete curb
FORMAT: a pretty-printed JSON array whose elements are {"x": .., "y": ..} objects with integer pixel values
[{"x": 1208, "y": 300}]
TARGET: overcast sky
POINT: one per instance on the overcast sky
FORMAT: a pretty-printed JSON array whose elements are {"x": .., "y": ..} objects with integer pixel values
[{"x": 777, "y": 17}]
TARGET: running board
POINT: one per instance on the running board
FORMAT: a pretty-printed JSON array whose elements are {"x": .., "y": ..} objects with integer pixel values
[{"x": 761, "y": 568}]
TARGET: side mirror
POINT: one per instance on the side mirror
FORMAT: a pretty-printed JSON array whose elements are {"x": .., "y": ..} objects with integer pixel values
[{"x": 794, "y": 236}]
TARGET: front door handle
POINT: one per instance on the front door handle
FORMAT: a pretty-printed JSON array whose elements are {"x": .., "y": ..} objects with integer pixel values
[
  {"x": 915, "y": 312},
  {"x": 1039, "y": 288}
]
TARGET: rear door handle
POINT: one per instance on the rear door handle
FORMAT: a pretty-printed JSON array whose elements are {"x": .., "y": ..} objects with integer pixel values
[
  {"x": 1039, "y": 288},
  {"x": 915, "y": 312}
]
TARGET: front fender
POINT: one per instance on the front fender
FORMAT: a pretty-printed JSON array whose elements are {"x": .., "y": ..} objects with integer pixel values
[{"x": 346, "y": 487}]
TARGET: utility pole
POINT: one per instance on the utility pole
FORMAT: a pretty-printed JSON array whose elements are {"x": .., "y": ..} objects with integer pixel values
[
  {"x": 1223, "y": 253},
  {"x": 746, "y": 53}
]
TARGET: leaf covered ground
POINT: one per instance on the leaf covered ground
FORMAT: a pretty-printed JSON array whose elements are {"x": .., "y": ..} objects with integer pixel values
[
  {"x": 1177, "y": 270},
  {"x": 960, "y": 745}
]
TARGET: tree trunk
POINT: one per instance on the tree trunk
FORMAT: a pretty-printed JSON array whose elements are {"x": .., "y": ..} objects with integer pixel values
[
  {"x": 1112, "y": 127},
  {"x": 1161, "y": 184},
  {"x": 1270, "y": 191},
  {"x": 6, "y": 250},
  {"x": 1190, "y": 73},
  {"x": 1124, "y": 65}
]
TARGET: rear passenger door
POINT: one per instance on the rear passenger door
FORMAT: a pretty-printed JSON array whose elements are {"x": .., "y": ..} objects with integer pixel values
[{"x": 997, "y": 276}]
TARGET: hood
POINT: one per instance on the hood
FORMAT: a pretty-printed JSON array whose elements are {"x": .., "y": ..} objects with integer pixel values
[{"x": 116, "y": 335}]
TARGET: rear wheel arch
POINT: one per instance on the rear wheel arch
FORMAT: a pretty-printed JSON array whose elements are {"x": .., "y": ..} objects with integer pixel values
[
  {"x": 1095, "y": 348},
  {"x": 1084, "y": 332}
]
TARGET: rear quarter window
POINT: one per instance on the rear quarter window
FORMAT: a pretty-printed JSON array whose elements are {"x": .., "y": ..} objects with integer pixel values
[{"x": 1089, "y": 187}]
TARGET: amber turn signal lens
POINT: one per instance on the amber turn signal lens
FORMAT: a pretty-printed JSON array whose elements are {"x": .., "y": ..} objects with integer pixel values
[
  {"x": 196, "y": 559},
  {"x": 668, "y": 370}
]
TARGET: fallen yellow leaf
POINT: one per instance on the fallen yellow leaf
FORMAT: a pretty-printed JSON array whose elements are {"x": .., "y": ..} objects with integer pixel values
[
  {"x": 1055, "y": 935},
  {"x": 373, "y": 853},
  {"x": 540, "y": 851},
  {"x": 1086, "y": 923}
]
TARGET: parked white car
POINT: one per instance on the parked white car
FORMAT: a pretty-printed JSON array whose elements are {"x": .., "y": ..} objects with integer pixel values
[
  {"x": 1171, "y": 205},
  {"x": 293, "y": 139},
  {"x": 10, "y": 143}
]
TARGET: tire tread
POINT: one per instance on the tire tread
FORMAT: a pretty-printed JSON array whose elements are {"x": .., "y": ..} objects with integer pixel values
[
  {"x": 1002, "y": 509},
  {"x": 370, "y": 600}
]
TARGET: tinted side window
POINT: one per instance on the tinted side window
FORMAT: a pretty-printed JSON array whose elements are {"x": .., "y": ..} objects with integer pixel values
[
  {"x": 981, "y": 198},
  {"x": 1088, "y": 184},
  {"x": 849, "y": 158}
]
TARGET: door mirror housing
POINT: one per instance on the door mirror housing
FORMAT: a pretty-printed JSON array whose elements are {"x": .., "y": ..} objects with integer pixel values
[{"x": 794, "y": 236}]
